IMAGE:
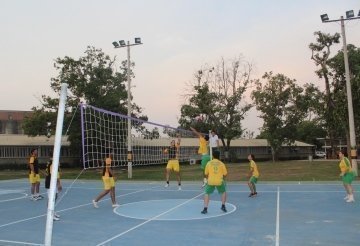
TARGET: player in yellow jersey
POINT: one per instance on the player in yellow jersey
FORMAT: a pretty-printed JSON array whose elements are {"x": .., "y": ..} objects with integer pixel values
[
  {"x": 347, "y": 176},
  {"x": 253, "y": 175},
  {"x": 203, "y": 150},
  {"x": 109, "y": 183},
  {"x": 215, "y": 172},
  {"x": 173, "y": 162},
  {"x": 34, "y": 176}
]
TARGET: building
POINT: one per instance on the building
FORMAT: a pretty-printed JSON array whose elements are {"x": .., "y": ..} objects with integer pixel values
[
  {"x": 11, "y": 121},
  {"x": 15, "y": 147}
]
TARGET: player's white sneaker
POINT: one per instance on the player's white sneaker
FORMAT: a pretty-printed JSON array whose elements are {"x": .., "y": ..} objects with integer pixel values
[
  {"x": 346, "y": 197},
  {"x": 56, "y": 218},
  {"x": 115, "y": 205},
  {"x": 95, "y": 204},
  {"x": 166, "y": 185},
  {"x": 179, "y": 187},
  {"x": 56, "y": 215},
  {"x": 351, "y": 199}
]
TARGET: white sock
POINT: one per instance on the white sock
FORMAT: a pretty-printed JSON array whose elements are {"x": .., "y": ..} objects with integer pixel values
[{"x": 205, "y": 180}]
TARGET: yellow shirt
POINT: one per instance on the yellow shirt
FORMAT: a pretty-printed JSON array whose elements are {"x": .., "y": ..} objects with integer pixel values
[
  {"x": 344, "y": 167},
  {"x": 254, "y": 169},
  {"x": 216, "y": 171},
  {"x": 202, "y": 146}
]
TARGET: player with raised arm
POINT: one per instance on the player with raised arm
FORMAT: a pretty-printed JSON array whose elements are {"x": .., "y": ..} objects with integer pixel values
[
  {"x": 173, "y": 162},
  {"x": 203, "y": 150}
]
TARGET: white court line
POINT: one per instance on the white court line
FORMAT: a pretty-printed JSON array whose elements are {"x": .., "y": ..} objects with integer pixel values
[
  {"x": 17, "y": 242},
  {"x": 277, "y": 236},
  {"x": 149, "y": 220},
  {"x": 71, "y": 208},
  {"x": 17, "y": 198}
]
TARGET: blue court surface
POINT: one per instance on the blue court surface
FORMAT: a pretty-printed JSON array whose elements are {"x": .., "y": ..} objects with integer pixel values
[{"x": 150, "y": 214}]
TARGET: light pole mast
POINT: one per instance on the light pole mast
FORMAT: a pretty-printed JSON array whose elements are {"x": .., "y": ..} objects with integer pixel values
[
  {"x": 350, "y": 102},
  {"x": 122, "y": 44},
  {"x": 129, "y": 110},
  {"x": 353, "y": 153}
]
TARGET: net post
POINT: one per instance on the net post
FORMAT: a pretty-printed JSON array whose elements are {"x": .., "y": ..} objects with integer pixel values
[
  {"x": 55, "y": 165},
  {"x": 129, "y": 157}
]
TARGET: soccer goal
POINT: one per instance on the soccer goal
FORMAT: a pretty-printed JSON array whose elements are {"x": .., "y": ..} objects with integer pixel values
[{"x": 105, "y": 132}]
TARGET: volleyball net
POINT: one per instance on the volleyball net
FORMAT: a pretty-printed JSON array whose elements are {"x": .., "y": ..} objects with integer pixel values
[{"x": 105, "y": 132}]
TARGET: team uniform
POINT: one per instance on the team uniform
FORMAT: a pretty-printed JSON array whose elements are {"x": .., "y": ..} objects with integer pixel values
[
  {"x": 107, "y": 176},
  {"x": 345, "y": 167},
  {"x": 34, "y": 178},
  {"x": 255, "y": 172},
  {"x": 215, "y": 170},
  {"x": 173, "y": 162},
  {"x": 203, "y": 149},
  {"x": 109, "y": 184},
  {"x": 48, "y": 174}
]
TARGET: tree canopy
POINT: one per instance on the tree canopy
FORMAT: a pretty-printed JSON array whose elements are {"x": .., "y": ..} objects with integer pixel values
[
  {"x": 217, "y": 99},
  {"x": 91, "y": 79},
  {"x": 282, "y": 105}
]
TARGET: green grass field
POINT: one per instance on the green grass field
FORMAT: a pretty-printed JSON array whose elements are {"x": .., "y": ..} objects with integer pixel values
[{"x": 317, "y": 170}]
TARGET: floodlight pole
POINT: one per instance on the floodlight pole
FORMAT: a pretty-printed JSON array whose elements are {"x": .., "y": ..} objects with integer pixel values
[
  {"x": 350, "y": 102},
  {"x": 129, "y": 107},
  {"x": 353, "y": 152}
]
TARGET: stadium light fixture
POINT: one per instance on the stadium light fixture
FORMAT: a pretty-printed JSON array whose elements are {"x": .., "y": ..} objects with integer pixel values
[
  {"x": 129, "y": 108},
  {"x": 349, "y": 16},
  {"x": 324, "y": 17},
  {"x": 137, "y": 40},
  {"x": 116, "y": 44},
  {"x": 359, "y": 14}
]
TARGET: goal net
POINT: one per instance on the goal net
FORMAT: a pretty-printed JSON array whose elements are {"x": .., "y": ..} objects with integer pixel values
[{"x": 105, "y": 132}]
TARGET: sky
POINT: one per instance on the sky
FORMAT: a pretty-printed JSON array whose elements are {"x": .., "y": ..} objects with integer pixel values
[{"x": 179, "y": 38}]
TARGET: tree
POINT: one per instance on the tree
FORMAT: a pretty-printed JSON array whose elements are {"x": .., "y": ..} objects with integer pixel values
[
  {"x": 282, "y": 106},
  {"x": 91, "y": 79},
  {"x": 217, "y": 100},
  {"x": 337, "y": 69},
  {"x": 320, "y": 54},
  {"x": 310, "y": 132}
]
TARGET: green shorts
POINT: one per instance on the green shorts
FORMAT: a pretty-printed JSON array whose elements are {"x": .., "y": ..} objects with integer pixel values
[
  {"x": 348, "y": 178},
  {"x": 253, "y": 179},
  {"x": 204, "y": 160},
  {"x": 209, "y": 189}
]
